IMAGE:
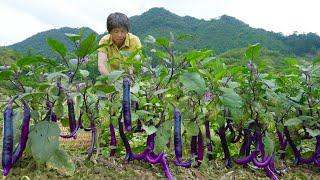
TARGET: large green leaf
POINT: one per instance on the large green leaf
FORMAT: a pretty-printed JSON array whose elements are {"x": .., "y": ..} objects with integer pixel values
[
  {"x": 44, "y": 140},
  {"x": 58, "y": 46},
  {"x": 62, "y": 162},
  {"x": 230, "y": 98},
  {"x": 87, "y": 46},
  {"x": 253, "y": 51},
  {"x": 192, "y": 81},
  {"x": 268, "y": 144},
  {"x": 293, "y": 122}
]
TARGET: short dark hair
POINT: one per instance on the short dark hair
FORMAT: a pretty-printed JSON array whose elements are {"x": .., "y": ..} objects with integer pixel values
[{"x": 116, "y": 20}]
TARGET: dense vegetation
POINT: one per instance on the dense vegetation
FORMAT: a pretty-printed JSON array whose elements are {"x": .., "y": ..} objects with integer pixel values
[
  {"x": 219, "y": 35},
  {"x": 177, "y": 109},
  {"x": 8, "y": 56}
]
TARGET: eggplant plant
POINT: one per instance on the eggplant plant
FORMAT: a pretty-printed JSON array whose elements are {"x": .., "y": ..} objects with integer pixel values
[{"x": 163, "y": 107}]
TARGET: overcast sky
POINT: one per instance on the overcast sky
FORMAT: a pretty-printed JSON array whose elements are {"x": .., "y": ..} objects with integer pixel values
[{"x": 20, "y": 19}]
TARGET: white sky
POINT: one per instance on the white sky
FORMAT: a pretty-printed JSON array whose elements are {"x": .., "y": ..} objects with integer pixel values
[{"x": 20, "y": 19}]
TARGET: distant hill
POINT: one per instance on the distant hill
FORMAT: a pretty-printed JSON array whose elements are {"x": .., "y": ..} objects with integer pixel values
[
  {"x": 38, "y": 42},
  {"x": 8, "y": 56},
  {"x": 220, "y": 35}
]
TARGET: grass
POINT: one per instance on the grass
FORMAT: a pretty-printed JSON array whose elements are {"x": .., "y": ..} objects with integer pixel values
[{"x": 116, "y": 168}]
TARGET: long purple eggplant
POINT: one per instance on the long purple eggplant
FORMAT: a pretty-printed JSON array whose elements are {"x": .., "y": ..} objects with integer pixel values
[
  {"x": 200, "y": 148},
  {"x": 270, "y": 173},
  {"x": 193, "y": 148},
  {"x": 265, "y": 161},
  {"x": 283, "y": 145},
  {"x": 126, "y": 104},
  {"x": 234, "y": 138},
  {"x": 148, "y": 150},
  {"x": 317, "y": 162},
  {"x": 209, "y": 144},
  {"x": 296, "y": 152},
  {"x": 125, "y": 140},
  {"x": 314, "y": 156},
  {"x": 166, "y": 168},
  {"x": 7, "y": 139},
  {"x": 227, "y": 157},
  {"x": 24, "y": 133},
  {"x": 53, "y": 117},
  {"x": 71, "y": 115},
  {"x": 317, "y": 152},
  {"x": 93, "y": 138},
  {"x": 59, "y": 86},
  {"x": 72, "y": 134},
  {"x": 308, "y": 160},
  {"x": 113, "y": 140},
  {"x": 150, "y": 141},
  {"x": 272, "y": 165},
  {"x": 247, "y": 159},
  {"x": 177, "y": 134},
  {"x": 142, "y": 155},
  {"x": 245, "y": 147},
  {"x": 156, "y": 160},
  {"x": 185, "y": 164},
  {"x": 178, "y": 140},
  {"x": 139, "y": 126}
]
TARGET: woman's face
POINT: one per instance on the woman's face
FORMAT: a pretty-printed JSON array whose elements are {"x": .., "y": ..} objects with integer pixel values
[{"x": 118, "y": 35}]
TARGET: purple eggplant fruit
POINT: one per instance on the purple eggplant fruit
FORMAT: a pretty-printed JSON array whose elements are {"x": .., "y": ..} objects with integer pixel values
[
  {"x": 7, "y": 146},
  {"x": 71, "y": 115},
  {"x": 113, "y": 140},
  {"x": 24, "y": 133},
  {"x": 209, "y": 144},
  {"x": 126, "y": 104}
]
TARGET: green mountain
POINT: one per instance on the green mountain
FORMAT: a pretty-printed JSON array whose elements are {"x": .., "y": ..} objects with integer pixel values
[
  {"x": 38, "y": 42},
  {"x": 220, "y": 35}
]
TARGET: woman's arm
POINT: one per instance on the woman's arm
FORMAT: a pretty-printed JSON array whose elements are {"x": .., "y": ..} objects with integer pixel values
[{"x": 102, "y": 59}]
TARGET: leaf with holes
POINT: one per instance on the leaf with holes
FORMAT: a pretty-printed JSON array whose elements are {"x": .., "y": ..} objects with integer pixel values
[{"x": 44, "y": 140}]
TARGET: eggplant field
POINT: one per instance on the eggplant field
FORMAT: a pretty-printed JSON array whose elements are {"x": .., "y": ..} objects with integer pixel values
[{"x": 179, "y": 115}]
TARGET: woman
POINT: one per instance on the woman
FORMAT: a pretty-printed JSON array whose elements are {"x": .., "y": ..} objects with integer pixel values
[{"x": 118, "y": 39}]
